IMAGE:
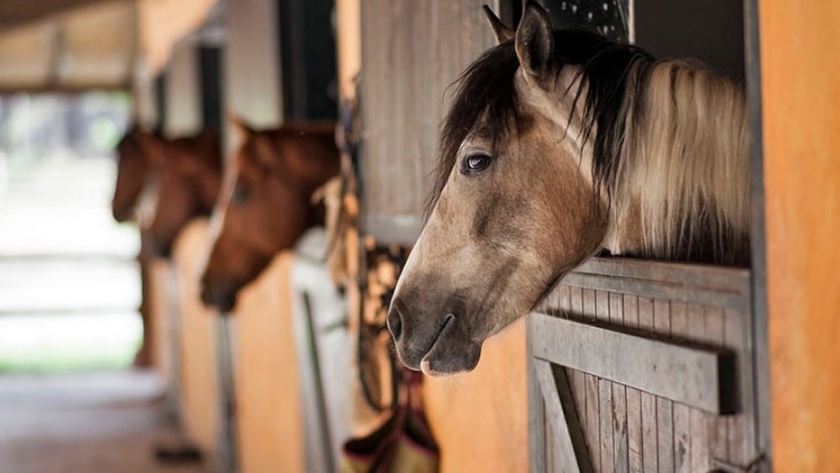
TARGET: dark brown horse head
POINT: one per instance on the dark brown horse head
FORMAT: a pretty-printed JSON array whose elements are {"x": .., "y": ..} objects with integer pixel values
[
  {"x": 266, "y": 203},
  {"x": 187, "y": 175},
  {"x": 132, "y": 175}
]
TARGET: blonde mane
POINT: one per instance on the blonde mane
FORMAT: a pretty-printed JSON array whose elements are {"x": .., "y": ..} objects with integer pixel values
[{"x": 684, "y": 163}]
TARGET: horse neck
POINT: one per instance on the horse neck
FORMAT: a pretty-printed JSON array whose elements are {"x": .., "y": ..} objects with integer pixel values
[{"x": 682, "y": 184}]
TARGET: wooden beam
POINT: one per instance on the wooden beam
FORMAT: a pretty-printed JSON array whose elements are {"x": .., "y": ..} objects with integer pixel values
[
  {"x": 568, "y": 443},
  {"x": 15, "y": 13},
  {"x": 660, "y": 290},
  {"x": 692, "y": 375},
  {"x": 393, "y": 229}
]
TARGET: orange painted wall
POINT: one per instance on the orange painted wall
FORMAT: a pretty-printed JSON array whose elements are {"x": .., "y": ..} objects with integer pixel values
[
  {"x": 801, "y": 100},
  {"x": 266, "y": 382},
  {"x": 480, "y": 419}
]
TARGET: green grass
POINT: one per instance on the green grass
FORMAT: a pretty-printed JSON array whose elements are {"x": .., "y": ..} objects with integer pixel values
[
  {"x": 68, "y": 342},
  {"x": 46, "y": 359}
]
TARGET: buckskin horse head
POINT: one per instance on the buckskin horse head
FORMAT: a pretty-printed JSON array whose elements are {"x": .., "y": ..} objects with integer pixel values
[
  {"x": 558, "y": 145},
  {"x": 266, "y": 204}
]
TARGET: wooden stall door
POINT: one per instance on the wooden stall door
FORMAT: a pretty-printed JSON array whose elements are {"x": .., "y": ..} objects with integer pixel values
[
  {"x": 266, "y": 383},
  {"x": 199, "y": 365},
  {"x": 411, "y": 53},
  {"x": 644, "y": 366}
]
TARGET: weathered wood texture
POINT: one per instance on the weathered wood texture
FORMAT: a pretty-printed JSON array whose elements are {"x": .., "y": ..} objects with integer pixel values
[
  {"x": 266, "y": 382},
  {"x": 800, "y": 82},
  {"x": 199, "y": 374},
  {"x": 411, "y": 52},
  {"x": 693, "y": 310}
]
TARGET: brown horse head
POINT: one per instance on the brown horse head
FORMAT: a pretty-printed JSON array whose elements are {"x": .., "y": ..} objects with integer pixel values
[
  {"x": 266, "y": 203},
  {"x": 187, "y": 173},
  {"x": 559, "y": 144},
  {"x": 132, "y": 174}
]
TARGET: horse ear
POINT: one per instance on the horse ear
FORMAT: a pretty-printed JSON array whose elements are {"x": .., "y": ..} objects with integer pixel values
[
  {"x": 534, "y": 41},
  {"x": 502, "y": 32},
  {"x": 240, "y": 125}
]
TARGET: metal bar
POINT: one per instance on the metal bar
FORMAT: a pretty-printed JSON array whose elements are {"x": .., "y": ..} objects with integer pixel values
[
  {"x": 226, "y": 455},
  {"x": 695, "y": 376},
  {"x": 323, "y": 423}
]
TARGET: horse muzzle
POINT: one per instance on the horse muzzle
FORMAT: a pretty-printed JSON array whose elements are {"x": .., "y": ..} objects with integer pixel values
[
  {"x": 436, "y": 345},
  {"x": 219, "y": 295}
]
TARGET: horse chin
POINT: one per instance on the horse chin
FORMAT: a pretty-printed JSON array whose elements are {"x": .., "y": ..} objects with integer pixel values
[{"x": 447, "y": 358}]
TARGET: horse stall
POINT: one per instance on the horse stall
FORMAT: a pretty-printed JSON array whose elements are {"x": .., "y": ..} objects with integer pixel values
[
  {"x": 629, "y": 364},
  {"x": 190, "y": 103},
  {"x": 410, "y": 54},
  {"x": 286, "y": 330}
]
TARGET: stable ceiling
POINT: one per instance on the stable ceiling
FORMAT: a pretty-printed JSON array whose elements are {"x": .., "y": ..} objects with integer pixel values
[{"x": 74, "y": 45}]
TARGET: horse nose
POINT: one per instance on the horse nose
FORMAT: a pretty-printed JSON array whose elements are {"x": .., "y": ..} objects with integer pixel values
[
  {"x": 395, "y": 323},
  {"x": 218, "y": 295}
]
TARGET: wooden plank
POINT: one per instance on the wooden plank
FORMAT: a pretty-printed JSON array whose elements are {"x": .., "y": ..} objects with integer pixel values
[
  {"x": 605, "y": 401},
  {"x": 717, "y": 424},
  {"x": 758, "y": 242},
  {"x": 660, "y": 290},
  {"x": 699, "y": 443},
  {"x": 536, "y": 417},
  {"x": 567, "y": 438},
  {"x": 664, "y": 407},
  {"x": 619, "y": 398},
  {"x": 634, "y": 400},
  {"x": 650, "y": 454},
  {"x": 394, "y": 229},
  {"x": 592, "y": 423},
  {"x": 681, "y": 413},
  {"x": 740, "y": 428},
  {"x": 680, "y": 373},
  {"x": 687, "y": 275},
  {"x": 578, "y": 379}
]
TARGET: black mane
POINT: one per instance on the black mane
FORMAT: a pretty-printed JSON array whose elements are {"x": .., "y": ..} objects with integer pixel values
[{"x": 486, "y": 89}]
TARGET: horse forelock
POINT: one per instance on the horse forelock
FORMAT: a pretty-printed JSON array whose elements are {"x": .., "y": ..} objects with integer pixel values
[{"x": 486, "y": 93}]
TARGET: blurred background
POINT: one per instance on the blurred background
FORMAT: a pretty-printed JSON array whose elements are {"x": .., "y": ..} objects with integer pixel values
[
  {"x": 282, "y": 385},
  {"x": 69, "y": 287}
]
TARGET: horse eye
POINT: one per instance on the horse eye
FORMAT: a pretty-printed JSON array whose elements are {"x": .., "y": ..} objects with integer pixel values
[
  {"x": 240, "y": 195},
  {"x": 476, "y": 163}
]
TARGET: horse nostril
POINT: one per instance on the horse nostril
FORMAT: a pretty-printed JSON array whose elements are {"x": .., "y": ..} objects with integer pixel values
[{"x": 395, "y": 323}]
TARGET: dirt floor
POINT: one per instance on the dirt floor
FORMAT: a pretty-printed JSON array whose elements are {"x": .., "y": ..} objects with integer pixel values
[{"x": 85, "y": 423}]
